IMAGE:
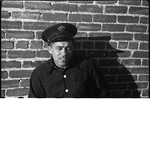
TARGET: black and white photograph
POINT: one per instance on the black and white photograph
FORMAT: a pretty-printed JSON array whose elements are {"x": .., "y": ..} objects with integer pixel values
[{"x": 80, "y": 68}]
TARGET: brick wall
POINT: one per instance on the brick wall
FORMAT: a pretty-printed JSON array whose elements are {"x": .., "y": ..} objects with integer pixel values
[{"x": 115, "y": 33}]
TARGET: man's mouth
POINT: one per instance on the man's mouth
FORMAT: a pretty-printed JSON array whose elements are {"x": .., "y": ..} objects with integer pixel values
[{"x": 63, "y": 58}]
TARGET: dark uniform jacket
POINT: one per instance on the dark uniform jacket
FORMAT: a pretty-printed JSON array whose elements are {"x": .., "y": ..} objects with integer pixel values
[{"x": 81, "y": 79}]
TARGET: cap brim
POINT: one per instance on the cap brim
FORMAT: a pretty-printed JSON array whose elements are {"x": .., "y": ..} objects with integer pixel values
[{"x": 63, "y": 37}]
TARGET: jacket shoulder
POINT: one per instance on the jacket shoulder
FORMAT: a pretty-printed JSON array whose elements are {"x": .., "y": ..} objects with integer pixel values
[{"x": 44, "y": 67}]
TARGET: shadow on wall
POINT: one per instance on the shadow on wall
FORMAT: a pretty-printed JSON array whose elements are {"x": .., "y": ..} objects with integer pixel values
[{"x": 121, "y": 82}]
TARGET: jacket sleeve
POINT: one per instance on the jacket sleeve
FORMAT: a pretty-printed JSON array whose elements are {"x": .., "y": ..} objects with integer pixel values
[
  {"x": 36, "y": 89},
  {"x": 99, "y": 83}
]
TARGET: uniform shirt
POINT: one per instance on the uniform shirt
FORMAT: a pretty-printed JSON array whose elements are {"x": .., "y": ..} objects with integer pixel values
[{"x": 81, "y": 79}]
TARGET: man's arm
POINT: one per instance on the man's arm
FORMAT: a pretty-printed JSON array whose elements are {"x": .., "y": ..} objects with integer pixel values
[{"x": 36, "y": 89}]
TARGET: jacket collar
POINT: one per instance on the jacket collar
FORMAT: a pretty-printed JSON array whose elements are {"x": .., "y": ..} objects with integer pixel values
[{"x": 52, "y": 65}]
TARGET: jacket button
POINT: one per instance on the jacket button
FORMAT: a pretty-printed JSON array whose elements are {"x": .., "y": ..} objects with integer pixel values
[{"x": 66, "y": 90}]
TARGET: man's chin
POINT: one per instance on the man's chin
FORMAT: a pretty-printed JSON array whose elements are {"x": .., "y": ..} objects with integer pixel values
[{"x": 63, "y": 64}]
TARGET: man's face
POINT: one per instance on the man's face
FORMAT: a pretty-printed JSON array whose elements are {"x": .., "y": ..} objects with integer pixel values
[{"x": 61, "y": 52}]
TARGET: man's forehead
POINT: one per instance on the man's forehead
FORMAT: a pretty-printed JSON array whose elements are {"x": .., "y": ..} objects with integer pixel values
[{"x": 63, "y": 43}]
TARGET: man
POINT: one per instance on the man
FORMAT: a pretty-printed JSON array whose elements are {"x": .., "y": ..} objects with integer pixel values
[{"x": 65, "y": 75}]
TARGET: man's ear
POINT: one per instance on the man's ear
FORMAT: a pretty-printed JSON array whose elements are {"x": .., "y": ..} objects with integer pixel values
[{"x": 50, "y": 48}]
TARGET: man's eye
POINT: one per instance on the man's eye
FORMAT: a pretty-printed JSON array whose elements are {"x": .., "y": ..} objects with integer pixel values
[{"x": 58, "y": 48}]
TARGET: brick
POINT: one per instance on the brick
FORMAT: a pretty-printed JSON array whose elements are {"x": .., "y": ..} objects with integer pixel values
[
  {"x": 110, "y": 79},
  {"x": 4, "y": 74},
  {"x": 116, "y": 9},
  {"x": 77, "y": 45},
  {"x": 91, "y": 8},
  {"x": 81, "y": 35},
  {"x": 36, "y": 45},
  {"x": 21, "y": 54},
  {"x": 122, "y": 45},
  {"x": 2, "y": 34},
  {"x": 87, "y": 45},
  {"x": 104, "y": 18},
  {"x": 126, "y": 78},
  {"x": 139, "y": 10},
  {"x": 38, "y": 5},
  {"x": 106, "y": 2},
  {"x": 24, "y": 83},
  {"x": 145, "y": 3},
  {"x": 144, "y": 20},
  {"x": 31, "y": 64},
  {"x": 145, "y": 62},
  {"x": 10, "y": 83},
  {"x": 131, "y": 62},
  {"x": 22, "y": 44},
  {"x": 98, "y": 54},
  {"x": 88, "y": 27},
  {"x": 7, "y": 45},
  {"x": 5, "y": 14},
  {"x": 12, "y": 4},
  {"x": 125, "y": 54},
  {"x": 136, "y": 28},
  {"x": 99, "y": 36},
  {"x": 54, "y": 17},
  {"x": 133, "y": 45},
  {"x": 142, "y": 84},
  {"x": 10, "y": 64},
  {"x": 2, "y": 93},
  {"x": 116, "y": 70},
  {"x": 46, "y": 45},
  {"x": 80, "y": 18},
  {"x": 109, "y": 62},
  {"x": 3, "y": 54},
  {"x": 122, "y": 36},
  {"x": 20, "y": 34},
  {"x": 111, "y": 45},
  {"x": 17, "y": 92},
  {"x": 130, "y": 2},
  {"x": 38, "y": 34},
  {"x": 104, "y": 71},
  {"x": 140, "y": 70},
  {"x": 26, "y": 15},
  {"x": 81, "y": 2},
  {"x": 113, "y": 53},
  {"x": 35, "y": 25},
  {"x": 65, "y": 7},
  {"x": 117, "y": 86},
  {"x": 113, "y": 27},
  {"x": 128, "y": 19},
  {"x": 140, "y": 54},
  {"x": 11, "y": 24},
  {"x": 132, "y": 86},
  {"x": 43, "y": 54},
  {"x": 142, "y": 37},
  {"x": 145, "y": 93},
  {"x": 144, "y": 46},
  {"x": 79, "y": 53},
  {"x": 20, "y": 73},
  {"x": 143, "y": 78},
  {"x": 100, "y": 45}
]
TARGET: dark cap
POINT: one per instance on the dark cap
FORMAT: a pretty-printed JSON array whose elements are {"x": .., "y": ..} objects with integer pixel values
[{"x": 59, "y": 32}]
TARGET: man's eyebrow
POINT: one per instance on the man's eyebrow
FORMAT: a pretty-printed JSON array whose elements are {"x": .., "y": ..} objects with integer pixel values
[{"x": 64, "y": 46}]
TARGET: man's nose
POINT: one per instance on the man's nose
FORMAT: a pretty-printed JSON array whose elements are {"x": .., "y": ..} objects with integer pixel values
[{"x": 64, "y": 51}]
